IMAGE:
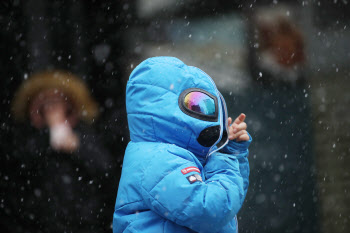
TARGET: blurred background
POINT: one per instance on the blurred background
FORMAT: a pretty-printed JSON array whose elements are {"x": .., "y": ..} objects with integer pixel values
[{"x": 63, "y": 128}]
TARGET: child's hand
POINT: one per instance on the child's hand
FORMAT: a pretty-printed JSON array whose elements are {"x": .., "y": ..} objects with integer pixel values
[{"x": 238, "y": 129}]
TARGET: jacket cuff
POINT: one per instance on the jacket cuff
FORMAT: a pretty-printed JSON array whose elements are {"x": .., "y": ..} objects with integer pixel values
[{"x": 234, "y": 147}]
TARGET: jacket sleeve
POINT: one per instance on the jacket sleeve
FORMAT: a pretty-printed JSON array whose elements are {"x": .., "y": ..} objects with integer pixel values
[
  {"x": 203, "y": 206},
  {"x": 240, "y": 150}
]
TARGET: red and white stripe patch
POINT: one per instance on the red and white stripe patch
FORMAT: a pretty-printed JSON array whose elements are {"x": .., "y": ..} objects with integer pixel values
[{"x": 190, "y": 169}]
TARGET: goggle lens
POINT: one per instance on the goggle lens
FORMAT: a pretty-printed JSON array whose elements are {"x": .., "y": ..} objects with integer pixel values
[{"x": 200, "y": 102}]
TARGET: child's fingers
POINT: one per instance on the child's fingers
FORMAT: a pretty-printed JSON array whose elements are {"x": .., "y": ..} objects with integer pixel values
[
  {"x": 241, "y": 126},
  {"x": 229, "y": 121},
  {"x": 237, "y": 135},
  {"x": 240, "y": 118},
  {"x": 230, "y": 131},
  {"x": 243, "y": 137}
]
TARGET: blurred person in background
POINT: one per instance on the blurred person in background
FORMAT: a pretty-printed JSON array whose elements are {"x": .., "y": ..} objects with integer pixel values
[
  {"x": 63, "y": 185},
  {"x": 57, "y": 100},
  {"x": 62, "y": 73}
]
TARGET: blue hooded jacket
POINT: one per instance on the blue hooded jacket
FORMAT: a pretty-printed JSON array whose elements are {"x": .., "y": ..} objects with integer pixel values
[{"x": 169, "y": 184}]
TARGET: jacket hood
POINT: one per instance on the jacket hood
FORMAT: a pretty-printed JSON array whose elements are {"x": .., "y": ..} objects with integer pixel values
[{"x": 154, "y": 114}]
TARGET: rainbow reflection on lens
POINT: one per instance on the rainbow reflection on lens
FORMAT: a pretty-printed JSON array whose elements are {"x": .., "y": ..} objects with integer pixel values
[{"x": 200, "y": 102}]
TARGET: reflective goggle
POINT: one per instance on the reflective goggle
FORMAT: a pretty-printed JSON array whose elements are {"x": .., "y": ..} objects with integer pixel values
[
  {"x": 199, "y": 104},
  {"x": 204, "y": 106}
]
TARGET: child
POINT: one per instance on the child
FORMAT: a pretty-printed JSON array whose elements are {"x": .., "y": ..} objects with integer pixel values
[{"x": 184, "y": 170}]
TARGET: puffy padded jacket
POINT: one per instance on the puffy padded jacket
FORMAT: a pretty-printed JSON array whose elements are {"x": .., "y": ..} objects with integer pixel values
[{"x": 169, "y": 184}]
